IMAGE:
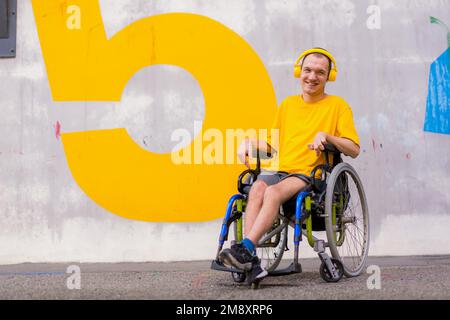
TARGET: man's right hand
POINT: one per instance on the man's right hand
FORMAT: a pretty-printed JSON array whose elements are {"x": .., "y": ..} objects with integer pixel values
[
  {"x": 243, "y": 152},
  {"x": 248, "y": 148}
]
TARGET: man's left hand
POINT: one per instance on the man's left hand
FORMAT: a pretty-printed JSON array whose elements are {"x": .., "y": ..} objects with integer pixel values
[{"x": 319, "y": 140}]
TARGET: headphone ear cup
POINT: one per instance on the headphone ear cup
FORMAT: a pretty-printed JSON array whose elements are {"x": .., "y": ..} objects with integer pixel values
[
  {"x": 297, "y": 71},
  {"x": 332, "y": 76}
]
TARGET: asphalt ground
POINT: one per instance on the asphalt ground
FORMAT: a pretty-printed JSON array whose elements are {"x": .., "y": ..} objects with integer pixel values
[{"x": 411, "y": 277}]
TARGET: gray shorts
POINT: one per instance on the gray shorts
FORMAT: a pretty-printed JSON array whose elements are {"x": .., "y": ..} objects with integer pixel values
[{"x": 273, "y": 177}]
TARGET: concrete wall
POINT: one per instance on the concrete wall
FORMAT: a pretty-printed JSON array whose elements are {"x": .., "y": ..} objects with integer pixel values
[{"x": 383, "y": 74}]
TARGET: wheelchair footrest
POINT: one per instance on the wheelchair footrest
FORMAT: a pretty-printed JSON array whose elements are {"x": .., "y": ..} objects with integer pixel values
[
  {"x": 293, "y": 268},
  {"x": 216, "y": 265}
]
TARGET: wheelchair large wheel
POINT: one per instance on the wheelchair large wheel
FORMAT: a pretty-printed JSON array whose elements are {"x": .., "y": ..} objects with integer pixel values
[
  {"x": 271, "y": 251},
  {"x": 347, "y": 219}
]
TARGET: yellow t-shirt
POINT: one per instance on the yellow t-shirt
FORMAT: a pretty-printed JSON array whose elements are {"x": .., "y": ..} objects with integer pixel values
[{"x": 299, "y": 122}]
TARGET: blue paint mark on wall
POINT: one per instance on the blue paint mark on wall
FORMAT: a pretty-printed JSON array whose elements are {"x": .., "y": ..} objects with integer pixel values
[{"x": 437, "y": 118}]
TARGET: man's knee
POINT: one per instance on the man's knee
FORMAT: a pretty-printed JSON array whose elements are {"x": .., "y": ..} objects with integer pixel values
[
  {"x": 257, "y": 190},
  {"x": 272, "y": 194}
]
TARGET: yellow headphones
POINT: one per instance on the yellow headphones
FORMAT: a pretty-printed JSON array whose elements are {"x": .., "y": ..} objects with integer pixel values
[{"x": 298, "y": 66}]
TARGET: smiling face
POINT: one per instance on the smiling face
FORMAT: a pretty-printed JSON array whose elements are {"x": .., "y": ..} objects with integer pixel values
[{"x": 315, "y": 70}]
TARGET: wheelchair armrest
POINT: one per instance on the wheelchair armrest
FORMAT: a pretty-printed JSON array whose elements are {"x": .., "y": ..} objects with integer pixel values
[
  {"x": 331, "y": 148},
  {"x": 244, "y": 186},
  {"x": 320, "y": 184},
  {"x": 337, "y": 155}
]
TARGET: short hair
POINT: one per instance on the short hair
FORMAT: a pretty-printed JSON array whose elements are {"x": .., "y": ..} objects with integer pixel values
[{"x": 318, "y": 54}]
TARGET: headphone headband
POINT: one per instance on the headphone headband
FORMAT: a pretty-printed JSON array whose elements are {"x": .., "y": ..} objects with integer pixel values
[{"x": 333, "y": 71}]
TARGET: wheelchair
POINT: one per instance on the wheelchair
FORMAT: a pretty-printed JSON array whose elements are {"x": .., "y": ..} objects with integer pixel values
[{"x": 334, "y": 202}]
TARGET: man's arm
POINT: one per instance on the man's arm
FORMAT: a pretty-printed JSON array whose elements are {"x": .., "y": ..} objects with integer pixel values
[{"x": 346, "y": 146}]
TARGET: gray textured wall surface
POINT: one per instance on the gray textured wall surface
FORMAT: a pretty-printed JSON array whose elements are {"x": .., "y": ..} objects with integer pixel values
[{"x": 383, "y": 74}]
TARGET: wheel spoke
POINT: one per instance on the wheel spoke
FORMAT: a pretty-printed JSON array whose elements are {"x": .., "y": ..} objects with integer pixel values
[{"x": 356, "y": 246}]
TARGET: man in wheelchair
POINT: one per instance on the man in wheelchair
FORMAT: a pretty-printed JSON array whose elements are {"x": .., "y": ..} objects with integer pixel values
[{"x": 306, "y": 122}]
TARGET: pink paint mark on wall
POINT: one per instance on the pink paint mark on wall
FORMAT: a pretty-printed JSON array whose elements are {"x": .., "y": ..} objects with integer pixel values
[
  {"x": 408, "y": 156},
  {"x": 57, "y": 127}
]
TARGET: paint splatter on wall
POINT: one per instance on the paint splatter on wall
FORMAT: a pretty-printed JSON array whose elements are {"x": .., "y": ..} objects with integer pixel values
[
  {"x": 437, "y": 118},
  {"x": 57, "y": 127}
]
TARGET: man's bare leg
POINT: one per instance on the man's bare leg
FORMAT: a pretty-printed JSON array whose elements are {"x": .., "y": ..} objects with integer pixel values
[
  {"x": 274, "y": 196},
  {"x": 254, "y": 205}
]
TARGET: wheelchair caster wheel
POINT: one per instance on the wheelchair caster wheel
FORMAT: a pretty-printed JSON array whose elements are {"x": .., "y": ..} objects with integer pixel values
[
  {"x": 326, "y": 274},
  {"x": 238, "y": 277}
]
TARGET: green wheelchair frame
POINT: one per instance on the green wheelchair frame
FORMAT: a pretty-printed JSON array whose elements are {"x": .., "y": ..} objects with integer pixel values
[{"x": 327, "y": 204}]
